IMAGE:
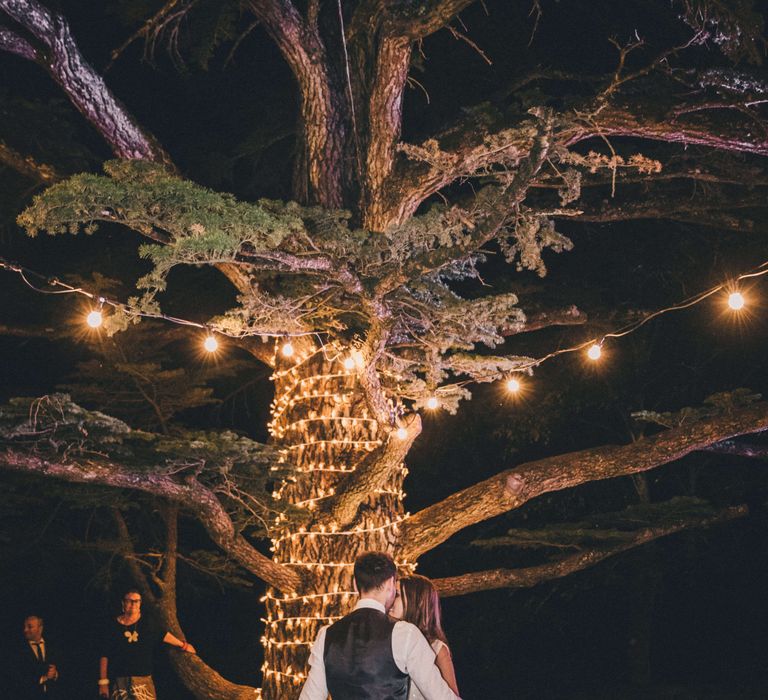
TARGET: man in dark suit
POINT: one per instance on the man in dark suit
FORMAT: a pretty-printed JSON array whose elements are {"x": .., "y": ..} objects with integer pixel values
[
  {"x": 36, "y": 673},
  {"x": 368, "y": 656}
]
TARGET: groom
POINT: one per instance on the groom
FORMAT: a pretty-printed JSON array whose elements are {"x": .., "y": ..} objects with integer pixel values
[{"x": 367, "y": 656}]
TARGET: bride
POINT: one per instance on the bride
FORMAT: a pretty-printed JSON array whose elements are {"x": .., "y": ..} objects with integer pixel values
[{"x": 418, "y": 602}]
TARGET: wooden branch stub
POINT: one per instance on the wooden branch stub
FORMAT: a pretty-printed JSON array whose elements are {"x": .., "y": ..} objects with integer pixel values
[{"x": 513, "y": 486}]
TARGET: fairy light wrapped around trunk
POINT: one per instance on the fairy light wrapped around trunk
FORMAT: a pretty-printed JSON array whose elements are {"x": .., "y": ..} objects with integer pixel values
[{"x": 321, "y": 422}]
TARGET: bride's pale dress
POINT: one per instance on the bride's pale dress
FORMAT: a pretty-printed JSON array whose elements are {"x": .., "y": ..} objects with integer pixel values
[{"x": 413, "y": 693}]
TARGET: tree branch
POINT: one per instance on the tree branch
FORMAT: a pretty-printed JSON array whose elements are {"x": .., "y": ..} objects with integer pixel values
[
  {"x": 431, "y": 168},
  {"x": 392, "y": 55},
  {"x": 197, "y": 676},
  {"x": 27, "y": 166},
  {"x": 622, "y": 121},
  {"x": 483, "y": 140},
  {"x": 322, "y": 103},
  {"x": 170, "y": 14},
  {"x": 368, "y": 475},
  {"x": 494, "y": 206},
  {"x": 739, "y": 449},
  {"x": 130, "y": 559},
  {"x": 534, "y": 575},
  {"x": 167, "y": 576},
  {"x": 735, "y": 173},
  {"x": 383, "y": 37},
  {"x": 202, "y": 680},
  {"x": 83, "y": 85},
  {"x": 13, "y": 43},
  {"x": 708, "y": 210},
  {"x": 512, "y": 488},
  {"x": 428, "y": 18},
  {"x": 569, "y": 316},
  {"x": 385, "y": 117},
  {"x": 191, "y": 494}
]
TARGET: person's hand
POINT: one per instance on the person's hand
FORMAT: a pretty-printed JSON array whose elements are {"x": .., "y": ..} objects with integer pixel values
[
  {"x": 52, "y": 674},
  {"x": 104, "y": 691}
]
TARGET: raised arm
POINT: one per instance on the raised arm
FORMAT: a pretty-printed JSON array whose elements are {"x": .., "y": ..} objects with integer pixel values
[{"x": 178, "y": 643}]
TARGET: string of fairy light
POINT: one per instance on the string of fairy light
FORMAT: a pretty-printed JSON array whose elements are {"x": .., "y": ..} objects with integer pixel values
[
  {"x": 325, "y": 433},
  {"x": 735, "y": 298},
  {"x": 292, "y": 616}
]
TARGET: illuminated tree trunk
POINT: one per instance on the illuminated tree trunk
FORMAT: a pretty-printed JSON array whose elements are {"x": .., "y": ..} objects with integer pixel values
[{"x": 320, "y": 419}]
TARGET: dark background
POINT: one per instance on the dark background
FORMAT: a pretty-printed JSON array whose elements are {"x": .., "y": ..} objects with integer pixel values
[{"x": 697, "y": 598}]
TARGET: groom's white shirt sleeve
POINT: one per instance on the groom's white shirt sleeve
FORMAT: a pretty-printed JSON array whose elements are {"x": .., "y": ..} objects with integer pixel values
[
  {"x": 315, "y": 687},
  {"x": 411, "y": 652}
]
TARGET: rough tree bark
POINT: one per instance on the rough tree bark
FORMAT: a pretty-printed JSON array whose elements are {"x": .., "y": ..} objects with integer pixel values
[
  {"x": 323, "y": 424},
  {"x": 334, "y": 439}
]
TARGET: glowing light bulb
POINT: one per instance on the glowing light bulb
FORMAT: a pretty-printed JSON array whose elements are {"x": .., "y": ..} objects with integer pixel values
[
  {"x": 288, "y": 350},
  {"x": 94, "y": 319},
  {"x": 513, "y": 385},
  {"x": 358, "y": 359},
  {"x": 211, "y": 344},
  {"x": 402, "y": 433},
  {"x": 594, "y": 352},
  {"x": 432, "y": 403},
  {"x": 349, "y": 363},
  {"x": 736, "y": 301}
]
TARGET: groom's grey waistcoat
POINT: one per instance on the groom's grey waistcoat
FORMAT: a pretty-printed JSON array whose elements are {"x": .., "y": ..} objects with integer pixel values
[{"x": 358, "y": 658}]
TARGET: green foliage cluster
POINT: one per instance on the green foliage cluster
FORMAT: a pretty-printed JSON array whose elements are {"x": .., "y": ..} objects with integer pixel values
[
  {"x": 734, "y": 26},
  {"x": 145, "y": 391},
  {"x": 533, "y": 233},
  {"x": 714, "y": 405},
  {"x": 239, "y": 469},
  {"x": 310, "y": 271}
]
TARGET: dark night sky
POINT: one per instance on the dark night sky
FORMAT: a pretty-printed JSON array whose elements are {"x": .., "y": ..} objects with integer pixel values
[{"x": 700, "y": 596}]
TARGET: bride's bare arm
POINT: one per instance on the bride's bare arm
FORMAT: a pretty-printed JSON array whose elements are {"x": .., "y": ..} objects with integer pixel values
[{"x": 445, "y": 664}]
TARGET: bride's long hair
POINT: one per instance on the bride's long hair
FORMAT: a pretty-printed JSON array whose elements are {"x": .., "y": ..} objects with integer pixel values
[{"x": 421, "y": 606}]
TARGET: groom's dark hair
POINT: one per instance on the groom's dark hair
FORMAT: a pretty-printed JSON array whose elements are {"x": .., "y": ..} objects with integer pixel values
[{"x": 372, "y": 569}]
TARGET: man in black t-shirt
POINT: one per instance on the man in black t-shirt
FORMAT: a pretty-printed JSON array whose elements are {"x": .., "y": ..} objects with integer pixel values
[{"x": 127, "y": 649}]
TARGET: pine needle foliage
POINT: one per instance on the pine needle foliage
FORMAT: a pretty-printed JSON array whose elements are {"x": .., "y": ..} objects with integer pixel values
[
  {"x": 237, "y": 468},
  {"x": 721, "y": 403},
  {"x": 311, "y": 272}
]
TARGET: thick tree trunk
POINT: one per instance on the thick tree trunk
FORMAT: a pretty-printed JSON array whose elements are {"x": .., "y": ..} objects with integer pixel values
[{"x": 320, "y": 419}]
